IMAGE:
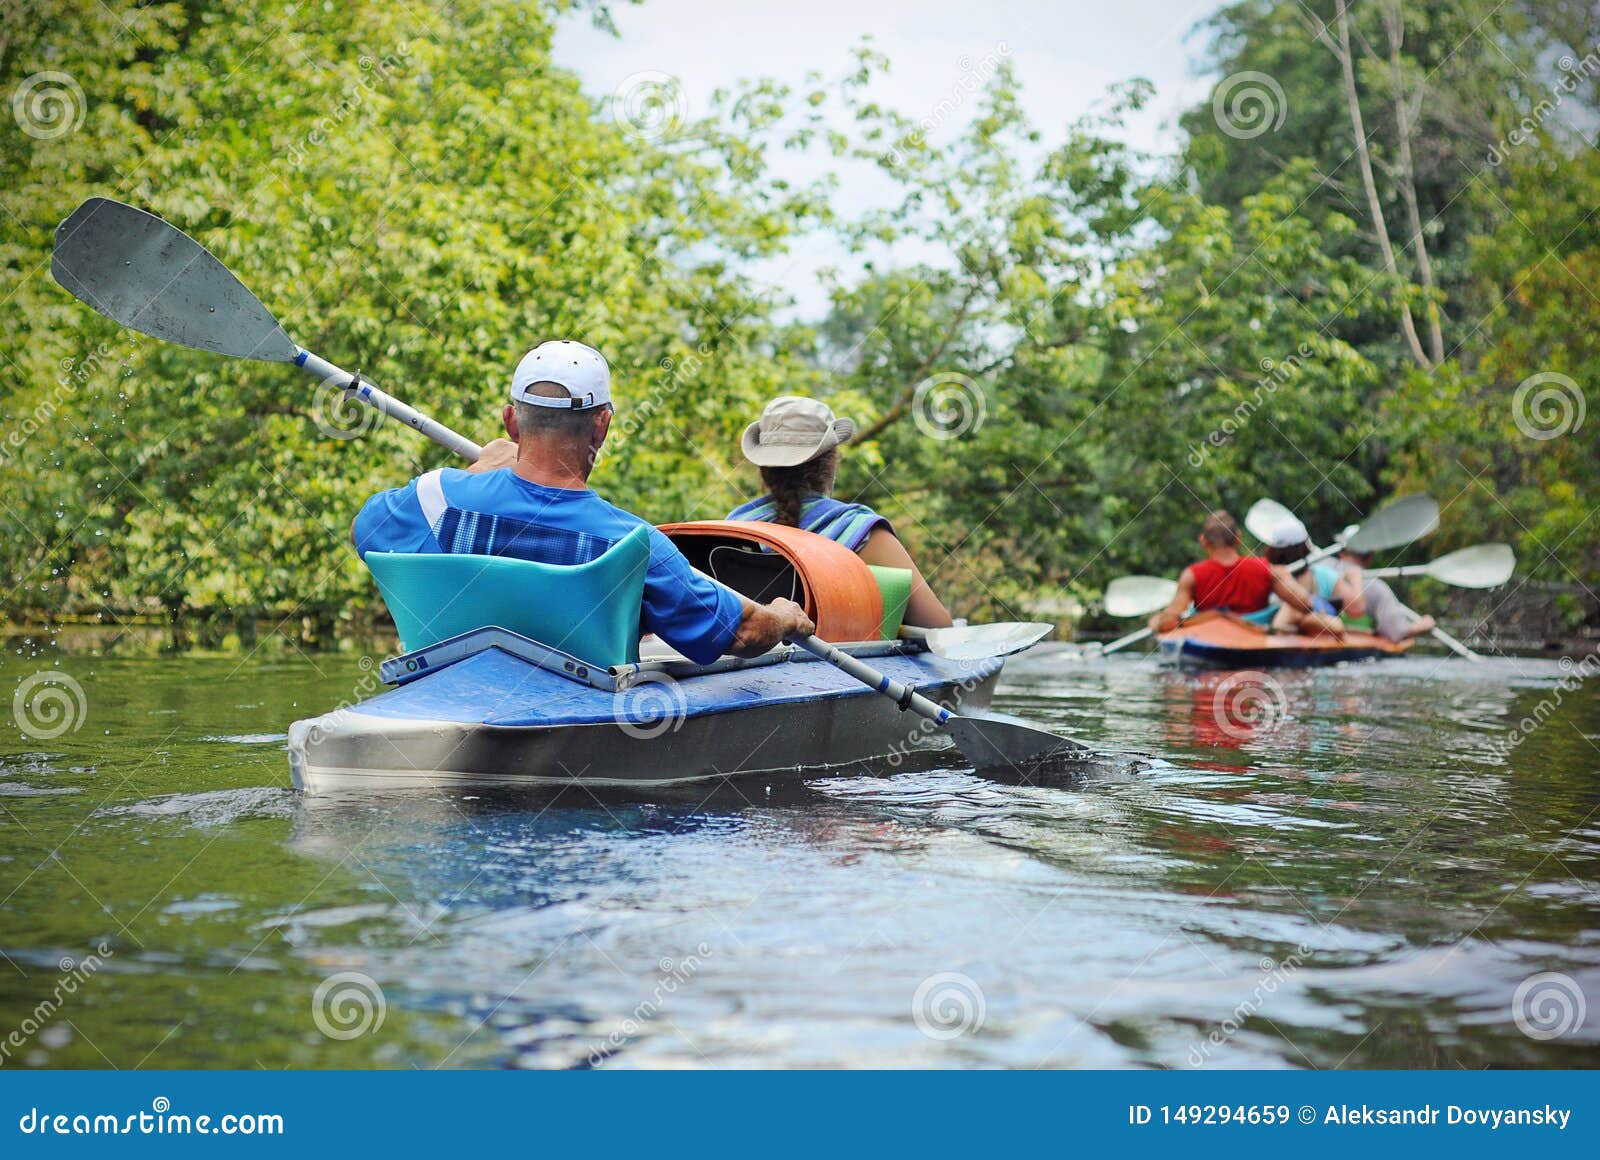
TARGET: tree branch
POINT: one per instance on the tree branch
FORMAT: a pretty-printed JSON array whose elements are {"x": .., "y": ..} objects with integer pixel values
[
  {"x": 1364, "y": 155},
  {"x": 1394, "y": 25}
]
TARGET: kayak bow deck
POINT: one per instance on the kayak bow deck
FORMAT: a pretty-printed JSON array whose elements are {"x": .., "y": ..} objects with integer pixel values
[
  {"x": 493, "y": 708},
  {"x": 1216, "y": 640}
]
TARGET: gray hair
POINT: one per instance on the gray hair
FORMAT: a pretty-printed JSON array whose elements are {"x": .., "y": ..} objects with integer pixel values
[{"x": 560, "y": 421}]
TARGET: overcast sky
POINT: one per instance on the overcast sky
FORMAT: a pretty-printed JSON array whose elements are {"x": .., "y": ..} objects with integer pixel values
[{"x": 1066, "y": 55}]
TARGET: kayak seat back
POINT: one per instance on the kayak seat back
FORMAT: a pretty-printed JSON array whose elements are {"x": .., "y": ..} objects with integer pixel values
[
  {"x": 588, "y": 610},
  {"x": 762, "y": 560}
]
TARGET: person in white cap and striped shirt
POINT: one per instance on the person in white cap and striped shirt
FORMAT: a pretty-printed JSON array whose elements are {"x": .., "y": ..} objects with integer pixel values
[{"x": 528, "y": 496}]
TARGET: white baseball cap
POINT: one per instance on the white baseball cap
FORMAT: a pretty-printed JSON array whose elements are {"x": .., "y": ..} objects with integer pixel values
[
  {"x": 581, "y": 369},
  {"x": 1287, "y": 533}
]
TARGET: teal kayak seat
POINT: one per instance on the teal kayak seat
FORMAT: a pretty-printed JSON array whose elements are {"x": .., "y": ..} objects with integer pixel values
[{"x": 589, "y": 610}]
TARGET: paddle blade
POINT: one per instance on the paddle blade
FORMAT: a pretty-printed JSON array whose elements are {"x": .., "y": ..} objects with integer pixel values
[
  {"x": 1397, "y": 524},
  {"x": 971, "y": 642},
  {"x": 152, "y": 277},
  {"x": 1264, "y": 517},
  {"x": 1139, "y": 595},
  {"x": 992, "y": 744},
  {"x": 1481, "y": 566}
]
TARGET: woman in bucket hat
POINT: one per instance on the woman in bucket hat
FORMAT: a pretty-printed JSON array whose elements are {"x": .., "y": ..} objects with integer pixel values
[{"x": 795, "y": 443}]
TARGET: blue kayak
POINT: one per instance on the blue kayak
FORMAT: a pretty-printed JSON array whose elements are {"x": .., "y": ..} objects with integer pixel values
[{"x": 491, "y": 707}]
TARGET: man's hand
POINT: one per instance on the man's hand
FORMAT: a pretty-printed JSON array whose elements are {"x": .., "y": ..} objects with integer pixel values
[
  {"x": 764, "y": 625},
  {"x": 1165, "y": 621},
  {"x": 497, "y": 453},
  {"x": 799, "y": 624}
]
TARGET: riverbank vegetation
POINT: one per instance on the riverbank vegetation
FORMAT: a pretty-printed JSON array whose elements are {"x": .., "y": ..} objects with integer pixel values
[{"x": 1373, "y": 267}]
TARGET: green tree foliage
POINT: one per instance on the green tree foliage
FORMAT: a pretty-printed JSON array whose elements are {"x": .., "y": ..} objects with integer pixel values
[{"x": 1060, "y": 351}]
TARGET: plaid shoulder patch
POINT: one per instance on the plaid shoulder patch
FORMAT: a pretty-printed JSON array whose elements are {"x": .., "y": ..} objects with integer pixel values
[{"x": 482, "y": 534}]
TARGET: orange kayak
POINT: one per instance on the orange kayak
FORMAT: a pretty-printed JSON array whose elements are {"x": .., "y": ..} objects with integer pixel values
[{"x": 1217, "y": 640}]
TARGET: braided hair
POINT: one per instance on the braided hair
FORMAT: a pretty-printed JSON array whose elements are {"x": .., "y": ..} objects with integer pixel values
[{"x": 790, "y": 486}]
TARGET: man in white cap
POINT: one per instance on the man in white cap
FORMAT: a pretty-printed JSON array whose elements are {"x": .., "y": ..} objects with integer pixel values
[{"x": 528, "y": 496}]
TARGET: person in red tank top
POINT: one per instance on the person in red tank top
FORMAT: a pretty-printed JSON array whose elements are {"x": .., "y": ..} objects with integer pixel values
[{"x": 1228, "y": 580}]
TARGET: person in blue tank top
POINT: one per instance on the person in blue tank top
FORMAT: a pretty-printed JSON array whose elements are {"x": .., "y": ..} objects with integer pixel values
[
  {"x": 528, "y": 496},
  {"x": 1288, "y": 543},
  {"x": 795, "y": 443}
]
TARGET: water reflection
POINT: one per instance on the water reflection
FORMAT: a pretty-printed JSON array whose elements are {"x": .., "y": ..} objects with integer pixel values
[{"x": 1346, "y": 867}]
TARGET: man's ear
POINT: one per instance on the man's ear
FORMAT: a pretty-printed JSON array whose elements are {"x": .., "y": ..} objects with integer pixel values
[
  {"x": 602, "y": 425},
  {"x": 509, "y": 418}
]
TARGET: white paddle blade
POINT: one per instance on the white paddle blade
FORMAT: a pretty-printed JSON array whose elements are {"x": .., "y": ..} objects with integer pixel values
[
  {"x": 1264, "y": 517},
  {"x": 152, "y": 277},
  {"x": 1397, "y": 524},
  {"x": 1139, "y": 595},
  {"x": 971, "y": 642},
  {"x": 1481, "y": 566}
]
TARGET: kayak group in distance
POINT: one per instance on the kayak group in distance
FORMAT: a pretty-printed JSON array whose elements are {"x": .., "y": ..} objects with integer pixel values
[{"x": 1282, "y": 592}]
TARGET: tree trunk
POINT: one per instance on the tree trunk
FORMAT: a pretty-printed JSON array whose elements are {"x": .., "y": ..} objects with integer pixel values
[
  {"x": 1347, "y": 62},
  {"x": 1394, "y": 24}
]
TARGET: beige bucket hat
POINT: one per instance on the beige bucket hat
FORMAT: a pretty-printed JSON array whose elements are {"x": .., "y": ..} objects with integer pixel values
[{"x": 793, "y": 430}]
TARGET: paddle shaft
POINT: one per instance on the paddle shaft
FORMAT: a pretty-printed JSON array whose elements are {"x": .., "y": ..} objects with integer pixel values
[
  {"x": 902, "y": 694},
  {"x": 368, "y": 393}
]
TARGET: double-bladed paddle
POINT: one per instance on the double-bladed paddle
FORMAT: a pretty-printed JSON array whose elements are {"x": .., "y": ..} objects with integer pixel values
[
  {"x": 1396, "y": 525},
  {"x": 150, "y": 276},
  {"x": 1480, "y": 566}
]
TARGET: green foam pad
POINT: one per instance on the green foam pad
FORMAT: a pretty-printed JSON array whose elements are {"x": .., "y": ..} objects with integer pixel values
[{"x": 895, "y": 584}]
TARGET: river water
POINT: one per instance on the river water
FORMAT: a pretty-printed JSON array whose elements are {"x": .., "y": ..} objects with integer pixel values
[{"x": 1380, "y": 865}]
